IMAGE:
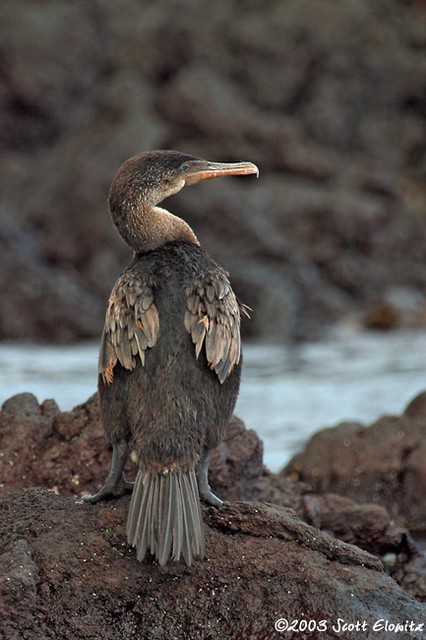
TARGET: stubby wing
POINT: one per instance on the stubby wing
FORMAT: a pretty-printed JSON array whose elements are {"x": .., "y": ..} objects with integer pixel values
[
  {"x": 213, "y": 320},
  {"x": 131, "y": 326}
]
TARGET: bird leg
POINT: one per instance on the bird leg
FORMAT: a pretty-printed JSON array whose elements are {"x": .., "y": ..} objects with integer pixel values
[
  {"x": 116, "y": 483},
  {"x": 201, "y": 471}
]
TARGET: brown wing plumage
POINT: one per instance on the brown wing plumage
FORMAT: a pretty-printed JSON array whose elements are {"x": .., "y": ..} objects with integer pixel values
[
  {"x": 131, "y": 326},
  {"x": 213, "y": 319}
]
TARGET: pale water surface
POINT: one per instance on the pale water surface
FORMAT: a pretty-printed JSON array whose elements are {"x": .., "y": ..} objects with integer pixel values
[{"x": 287, "y": 393}]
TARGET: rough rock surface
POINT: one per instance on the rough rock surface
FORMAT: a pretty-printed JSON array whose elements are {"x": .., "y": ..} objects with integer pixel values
[
  {"x": 76, "y": 577},
  {"x": 327, "y": 98},
  {"x": 66, "y": 572},
  {"x": 382, "y": 463}
]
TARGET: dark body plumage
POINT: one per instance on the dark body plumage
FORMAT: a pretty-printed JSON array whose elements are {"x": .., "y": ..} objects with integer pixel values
[
  {"x": 170, "y": 361},
  {"x": 174, "y": 405}
]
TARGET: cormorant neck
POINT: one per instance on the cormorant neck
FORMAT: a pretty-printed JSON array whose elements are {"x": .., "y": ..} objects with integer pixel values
[{"x": 145, "y": 226}]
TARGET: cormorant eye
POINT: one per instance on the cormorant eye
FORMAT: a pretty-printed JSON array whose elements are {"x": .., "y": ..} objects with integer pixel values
[{"x": 185, "y": 168}]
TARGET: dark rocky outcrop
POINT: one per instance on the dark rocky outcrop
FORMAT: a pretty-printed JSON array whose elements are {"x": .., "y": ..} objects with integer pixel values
[
  {"x": 66, "y": 569},
  {"x": 382, "y": 463},
  {"x": 327, "y": 98}
]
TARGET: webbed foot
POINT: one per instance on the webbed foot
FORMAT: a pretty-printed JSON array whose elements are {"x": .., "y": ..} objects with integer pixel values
[
  {"x": 111, "y": 490},
  {"x": 116, "y": 483},
  {"x": 204, "y": 489},
  {"x": 208, "y": 496}
]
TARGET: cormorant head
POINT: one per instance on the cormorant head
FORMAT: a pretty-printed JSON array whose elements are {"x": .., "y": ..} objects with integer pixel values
[
  {"x": 153, "y": 176},
  {"x": 148, "y": 178}
]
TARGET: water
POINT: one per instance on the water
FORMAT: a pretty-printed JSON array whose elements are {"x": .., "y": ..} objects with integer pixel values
[{"x": 287, "y": 393}]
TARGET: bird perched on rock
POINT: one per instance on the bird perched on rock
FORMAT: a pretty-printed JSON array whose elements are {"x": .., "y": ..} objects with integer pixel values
[{"x": 170, "y": 356}]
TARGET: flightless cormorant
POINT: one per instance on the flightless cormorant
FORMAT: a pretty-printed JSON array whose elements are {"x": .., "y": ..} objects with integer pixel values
[{"x": 170, "y": 356}]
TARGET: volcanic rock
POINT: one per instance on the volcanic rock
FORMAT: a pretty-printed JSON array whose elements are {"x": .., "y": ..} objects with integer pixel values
[
  {"x": 383, "y": 463},
  {"x": 66, "y": 571},
  {"x": 67, "y": 453}
]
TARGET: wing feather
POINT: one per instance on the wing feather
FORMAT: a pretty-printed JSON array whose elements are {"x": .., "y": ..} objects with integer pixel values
[
  {"x": 131, "y": 325},
  {"x": 213, "y": 320}
]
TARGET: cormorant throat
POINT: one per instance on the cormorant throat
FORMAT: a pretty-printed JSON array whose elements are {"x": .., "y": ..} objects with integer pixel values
[
  {"x": 142, "y": 224},
  {"x": 147, "y": 227}
]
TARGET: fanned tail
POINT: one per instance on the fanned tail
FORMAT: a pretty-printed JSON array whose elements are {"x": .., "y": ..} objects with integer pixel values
[{"x": 165, "y": 516}]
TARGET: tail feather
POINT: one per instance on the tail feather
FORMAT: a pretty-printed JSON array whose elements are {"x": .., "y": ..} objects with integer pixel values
[
  {"x": 186, "y": 521},
  {"x": 138, "y": 505},
  {"x": 177, "y": 520},
  {"x": 165, "y": 517},
  {"x": 167, "y": 531}
]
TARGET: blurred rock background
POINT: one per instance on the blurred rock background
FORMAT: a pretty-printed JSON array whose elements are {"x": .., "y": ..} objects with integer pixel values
[{"x": 328, "y": 98}]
